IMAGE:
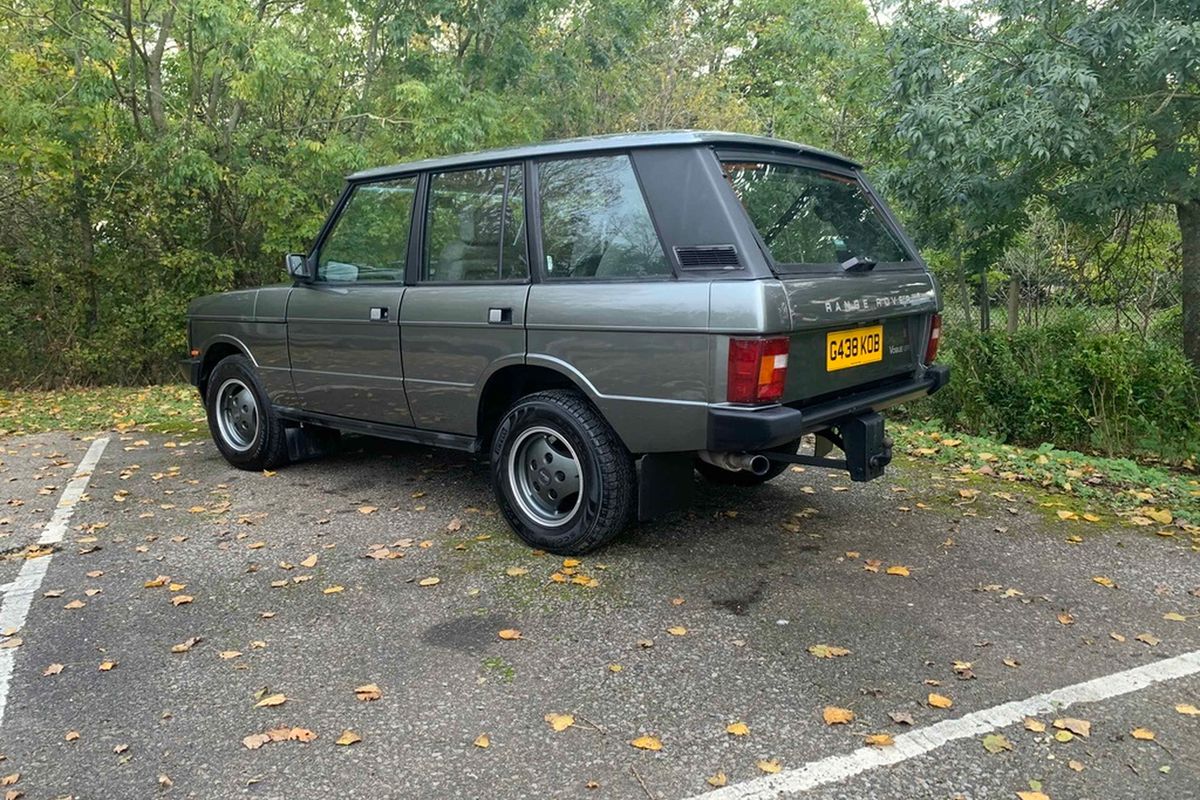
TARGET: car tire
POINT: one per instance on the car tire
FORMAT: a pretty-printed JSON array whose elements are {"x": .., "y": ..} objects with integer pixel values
[
  {"x": 564, "y": 481},
  {"x": 243, "y": 424},
  {"x": 725, "y": 477}
]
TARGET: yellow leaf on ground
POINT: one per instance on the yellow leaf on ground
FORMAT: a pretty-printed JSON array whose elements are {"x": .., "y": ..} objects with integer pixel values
[
  {"x": 107, "y": 666},
  {"x": 1063, "y": 514},
  {"x": 1174, "y": 616},
  {"x": 647, "y": 743},
  {"x": 430, "y": 581},
  {"x": 368, "y": 692},
  {"x": 74, "y": 605},
  {"x": 176, "y": 587},
  {"x": 560, "y": 722},
  {"x": 677, "y": 630},
  {"x": 1189, "y": 709},
  {"x": 309, "y": 562},
  {"x": 54, "y": 669},
  {"x": 570, "y": 563},
  {"x": 1145, "y": 734},
  {"x": 1063, "y": 736},
  {"x": 333, "y": 589},
  {"x": 996, "y": 743},
  {"x": 181, "y": 599},
  {"x": 738, "y": 729},
  {"x": 514, "y": 572},
  {"x": 1035, "y": 725},
  {"x": 1033, "y": 796},
  {"x": 1065, "y": 619},
  {"x": 482, "y": 741},
  {"x": 1161, "y": 516},
  {"x": 367, "y": 509},
  {"x": 1148, "y": 638},
  {"x": 770, "y": 767},
  {"x": 508, "y": 634},
  {"x": 833, "y": 715},
  {"x": 718, "y": 780},
  {"x": 939, "y": 700},
  {"x": 827, "y": 651},
  {"x": 185, "y": 645},
  {"x": 271, "y": 700},
  {"x": 880, "y": 740},
  {"x": 161, "y": 580},
  {"x": 1107, "y": 583},
  {"x": 898, "y": 570},
  {"x": 1079, "y": 727},
  {"x": 228, "y": 654},
  {"x": 348, "y": 737}
]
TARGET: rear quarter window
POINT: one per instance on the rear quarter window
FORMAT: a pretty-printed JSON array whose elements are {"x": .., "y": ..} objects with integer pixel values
[
  {"x": 595, "y": 224},
  {"x": 808, "y": 217}
]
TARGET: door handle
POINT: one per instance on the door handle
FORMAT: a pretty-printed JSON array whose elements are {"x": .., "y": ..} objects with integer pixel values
[
  {"x": 379, "y": 314},
  {"x": 500, "y": 316}
]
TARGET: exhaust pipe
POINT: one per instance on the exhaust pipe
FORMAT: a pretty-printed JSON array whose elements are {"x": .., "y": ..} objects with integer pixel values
[{"x": 737, "y": 462}]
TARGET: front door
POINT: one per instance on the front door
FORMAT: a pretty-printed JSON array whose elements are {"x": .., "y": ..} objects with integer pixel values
[
  {"x": 466, "y": 314},
  {"x": 343, "y": 328}
]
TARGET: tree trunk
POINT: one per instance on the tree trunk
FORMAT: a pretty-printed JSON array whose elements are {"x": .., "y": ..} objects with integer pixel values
[
  {"x": 1189, "y": 231},
  {"x": 985, "y": 303},
  {"x": 963, "y": 292},
  {"x": 1014, "y": 305}
]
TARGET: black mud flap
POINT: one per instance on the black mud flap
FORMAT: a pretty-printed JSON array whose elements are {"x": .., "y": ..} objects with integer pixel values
[
  {"x": 665, "y": 483},
  {"x": 310, "y": 441}
]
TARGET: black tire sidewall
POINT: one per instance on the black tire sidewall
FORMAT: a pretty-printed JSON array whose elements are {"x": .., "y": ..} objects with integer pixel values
[
  {"x": 256, "y": 457},
  {"x": 527, "y": 414}
]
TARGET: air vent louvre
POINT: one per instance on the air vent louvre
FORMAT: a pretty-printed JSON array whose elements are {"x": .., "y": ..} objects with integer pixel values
[{"x": 708, "y": 256}]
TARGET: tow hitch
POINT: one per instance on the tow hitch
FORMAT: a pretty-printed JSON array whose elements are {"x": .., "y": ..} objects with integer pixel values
[{"x": 868, "y": 450}]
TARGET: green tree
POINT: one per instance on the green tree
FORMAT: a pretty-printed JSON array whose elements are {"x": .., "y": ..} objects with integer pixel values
[{"x": 1093, "y": 106}]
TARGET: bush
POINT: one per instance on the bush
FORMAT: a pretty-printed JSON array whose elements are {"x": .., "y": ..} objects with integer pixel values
[{"x": 1074, "y": 388}]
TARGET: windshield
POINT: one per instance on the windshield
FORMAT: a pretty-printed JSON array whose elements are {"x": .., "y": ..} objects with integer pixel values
[{"x": 808, "y": 217}]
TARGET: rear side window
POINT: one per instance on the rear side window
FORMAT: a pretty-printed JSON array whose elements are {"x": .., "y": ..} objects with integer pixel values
[
  {"x": 475, "y": 225},
  {"x": 369, "y": 240},
  {"x": 595, "y": 223},
  {"x": 806, "y": 216}
]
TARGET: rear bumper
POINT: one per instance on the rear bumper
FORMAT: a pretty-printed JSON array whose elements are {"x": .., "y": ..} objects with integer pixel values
[{"x": 738, "y": 429}]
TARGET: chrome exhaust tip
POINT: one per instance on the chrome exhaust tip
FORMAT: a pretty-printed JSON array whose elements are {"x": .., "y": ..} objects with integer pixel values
[{"x": 738, "y": 462}]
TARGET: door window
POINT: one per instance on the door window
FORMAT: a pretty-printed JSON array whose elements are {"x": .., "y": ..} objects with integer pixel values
[
  {"x": 475, "y": 225},
  {"x": 595, "y": 224},
  {"x": 369, "y": 240}
]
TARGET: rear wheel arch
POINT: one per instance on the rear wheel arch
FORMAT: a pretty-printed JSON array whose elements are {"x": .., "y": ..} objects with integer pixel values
[{"x": 509, "y": 384}]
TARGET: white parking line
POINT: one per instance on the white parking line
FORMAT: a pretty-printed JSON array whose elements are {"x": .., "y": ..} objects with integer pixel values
[
  {"x": 18, "y": 595},
  {"x": 925, "y": 740}
]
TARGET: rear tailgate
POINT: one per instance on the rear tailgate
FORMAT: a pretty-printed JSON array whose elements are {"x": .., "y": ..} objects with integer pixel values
[{"x": 854, "y": 329}]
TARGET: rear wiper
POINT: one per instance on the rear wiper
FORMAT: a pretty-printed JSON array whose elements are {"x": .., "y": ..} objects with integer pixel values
[{"x": 859, "y": 264}]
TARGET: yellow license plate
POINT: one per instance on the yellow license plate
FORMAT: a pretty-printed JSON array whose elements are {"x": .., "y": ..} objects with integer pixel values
[{"x": 853, "y": 348}]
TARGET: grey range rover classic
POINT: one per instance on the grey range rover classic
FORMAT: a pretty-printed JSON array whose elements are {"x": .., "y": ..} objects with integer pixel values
[{"x": 601, "y": 317}]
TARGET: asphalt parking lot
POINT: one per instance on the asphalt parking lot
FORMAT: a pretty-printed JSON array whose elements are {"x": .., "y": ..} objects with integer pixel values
[{"x": 317, "y": 581}]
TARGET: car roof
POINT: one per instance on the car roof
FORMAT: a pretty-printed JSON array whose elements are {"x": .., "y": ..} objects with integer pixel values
[{"x": 595, "y": 144}]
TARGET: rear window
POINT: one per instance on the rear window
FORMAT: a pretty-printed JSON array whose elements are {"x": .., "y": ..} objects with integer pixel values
[{"x": 808, "y": 217}]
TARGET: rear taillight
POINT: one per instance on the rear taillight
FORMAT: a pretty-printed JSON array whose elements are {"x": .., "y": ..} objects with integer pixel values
[
  {"x": 935, "y": 337},
  {"x": 757, "y": 369}
]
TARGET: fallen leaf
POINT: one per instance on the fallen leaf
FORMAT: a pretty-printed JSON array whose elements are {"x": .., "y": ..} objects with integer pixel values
[
  {"x": 1034, "y": 795},
  {"x": 996, "y": 743},
  {"x": 901, "y": 717},
  {"x": 228, "y": 654},
  {"x": 431, "y": 581},
  {"x": 1161, "y": 516},
  {"x": 571, "y": 563},
  {"x": 880, "y": 740},
  {"x": 176, "y": 587},
  {"x": 737, "y": 729},
  {"x": 75, "y": 604},
  {"x": 1075, "y": 765},
  {"x": 1065, "y": 618},
  {"x": 514, "y": 572},
  {"x": 647, "y": 743},
  {"x": 718, "y": 780},
  {"x": 368, "y": 692},
  {"x": 367, "y": 509},
  {"x": 770, "y": 767},
  {"x": 482, "y": 741},
  {"x": 560, "y": 722},
  {"x": 12, "y": 643},
  {"x": 271, "y": 700},
  {"x": 677, "y": 630},
  {"x": 71, "y": 736},
  {"x": 1148, "y": 639},
  {"x": 1079, "y": 727},
  {"x": 1145, "y": 734},
  {"x": 508, "y": 634},
  {"x": 186, "y": 645},
  {"x": 833, "y": 715},
  {"x": 309, "y": 562},
  {"x": 1035, "y": 725},
  {"x": 1063, "y": 736},
  {"x": 181, "y": 599},
  {"x": 939, "y": 701},
  {"x": 9, "y": 780},
  {"x": 333, "y": 589},
  {"x": 155, "y": 583},
  {"x": 898, "y": 570},
  {"x": 347, "y": 738},
  {"x": 1188, "y": 709},
  {"x": 827, "y": 651},
  {"x": 1107, "y": 583},
  {"x": 1174, "y": 616},
  {"x": 55, "y": 669},
  {"x": 107, "y": 666}
]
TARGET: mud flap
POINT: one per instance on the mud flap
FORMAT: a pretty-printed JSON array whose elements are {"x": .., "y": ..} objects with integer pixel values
[
  {"x": 665, "y": 483},
  {"x": 310, "y": 441}
]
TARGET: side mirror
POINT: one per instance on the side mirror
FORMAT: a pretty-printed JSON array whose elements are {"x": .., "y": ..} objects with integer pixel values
[{"x": 296, "y": 265}]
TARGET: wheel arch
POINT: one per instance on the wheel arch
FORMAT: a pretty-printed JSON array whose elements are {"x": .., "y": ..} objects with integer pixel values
[
  {"x": 511, "y": 382},
  {"x": 220, "y": 348}
]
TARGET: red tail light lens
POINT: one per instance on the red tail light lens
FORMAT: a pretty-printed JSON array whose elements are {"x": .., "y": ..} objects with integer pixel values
[
  {"x": 935, "y": 338},
  {"x": 757, "y": 369}
]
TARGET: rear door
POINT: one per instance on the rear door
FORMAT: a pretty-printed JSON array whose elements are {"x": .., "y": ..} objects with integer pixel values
[
  {"x": 343, "y": 328},
  {"x": 859, "y": 298},
  {"x": 465, "y": 315}
]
